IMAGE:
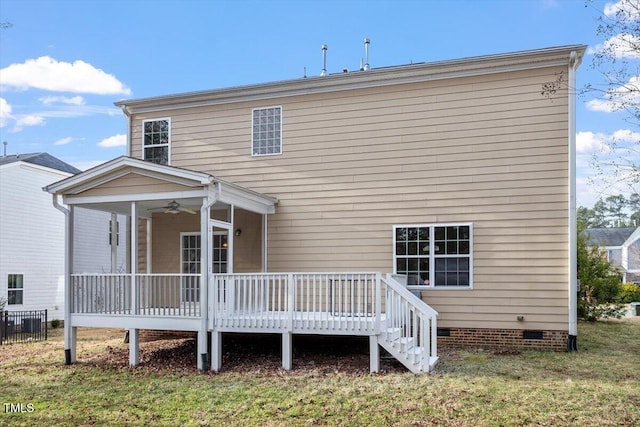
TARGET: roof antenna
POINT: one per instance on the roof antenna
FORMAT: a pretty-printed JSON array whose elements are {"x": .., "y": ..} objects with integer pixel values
[
  {"x": 5, "y": 143},
  {"x": 324, "y": 60},
  {"x": 366, "y": 53}
]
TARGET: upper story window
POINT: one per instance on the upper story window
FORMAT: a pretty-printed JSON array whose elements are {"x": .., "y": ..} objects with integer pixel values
[
  {"x": 434, "y": 255},
  {"x": 15, "y": 289},
  {"x": 156, "y": 140},
  {"x": 266, "y": 131}
]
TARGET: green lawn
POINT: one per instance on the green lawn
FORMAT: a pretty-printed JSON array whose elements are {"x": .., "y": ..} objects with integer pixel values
[{"x": 598, "y": 386}]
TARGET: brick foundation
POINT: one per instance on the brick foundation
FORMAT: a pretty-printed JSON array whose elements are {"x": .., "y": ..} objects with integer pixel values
[
  {"x": 503, "y": 339},
  {"x": 147, "y": 335}
]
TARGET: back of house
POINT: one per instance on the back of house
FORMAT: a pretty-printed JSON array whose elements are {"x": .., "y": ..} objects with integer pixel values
[{"x": 457, "y": 173}]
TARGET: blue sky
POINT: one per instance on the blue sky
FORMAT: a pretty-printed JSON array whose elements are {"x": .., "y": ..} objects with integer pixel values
[{"x": 64, "y": 62}]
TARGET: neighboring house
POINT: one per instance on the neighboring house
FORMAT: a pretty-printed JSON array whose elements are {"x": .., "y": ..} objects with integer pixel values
[
  {"x": 454, "y": 177},
  {"x": 622, "y": 246},
  {"x": 32, "y": 235}
]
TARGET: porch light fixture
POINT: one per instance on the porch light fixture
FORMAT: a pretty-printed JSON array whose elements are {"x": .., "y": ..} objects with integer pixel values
[
  {"x": 224, "y": 242},
  {"x": 238, "y": 232}
]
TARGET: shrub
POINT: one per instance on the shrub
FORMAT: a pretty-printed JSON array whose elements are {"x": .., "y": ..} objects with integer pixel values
[
  {"x": 630, "y": 292},
  {"x": 55, "y": 323}
]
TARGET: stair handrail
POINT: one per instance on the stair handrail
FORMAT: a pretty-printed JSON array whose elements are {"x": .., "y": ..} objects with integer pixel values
[{"x": 406, "y": 293}]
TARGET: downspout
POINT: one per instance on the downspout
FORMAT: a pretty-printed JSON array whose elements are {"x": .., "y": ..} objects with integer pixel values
[
  {"x": 68, "y": 257},
  {"x": 572, "y": 339}
]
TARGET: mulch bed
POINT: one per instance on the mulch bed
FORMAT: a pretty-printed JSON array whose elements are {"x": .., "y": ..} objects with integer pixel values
[{"x": 256, "y": 354}]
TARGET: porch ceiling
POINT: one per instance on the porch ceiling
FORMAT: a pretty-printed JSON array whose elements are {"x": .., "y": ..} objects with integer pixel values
[{"x": 112, "y": 187}]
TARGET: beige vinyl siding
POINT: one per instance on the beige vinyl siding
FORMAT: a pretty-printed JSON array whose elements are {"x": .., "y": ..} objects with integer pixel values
[
  {"x": 490, "y": 150},
  {"x": 133, "y": 183}
]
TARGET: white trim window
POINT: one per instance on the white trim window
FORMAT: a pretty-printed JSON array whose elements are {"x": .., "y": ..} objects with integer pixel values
[
  {"x": 15, "y": 289},
  {"x": 266, "y": 131},
  {"x": 434, "y": 255},
  {"x": 156, "y": 140}
]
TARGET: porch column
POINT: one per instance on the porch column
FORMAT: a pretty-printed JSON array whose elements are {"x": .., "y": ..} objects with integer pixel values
[
  {"x": 134, "y": 339},
  {"x": 264, "y": 243},
  {"x": 69, "y": 331},
  {"x": 374, "y": 354},
  {"x": 113, "y": 230},
  {"x": 205, "y": 214}
]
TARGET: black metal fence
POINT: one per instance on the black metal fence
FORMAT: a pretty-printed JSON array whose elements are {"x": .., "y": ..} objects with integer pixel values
[{"x": 23, "y": 326}]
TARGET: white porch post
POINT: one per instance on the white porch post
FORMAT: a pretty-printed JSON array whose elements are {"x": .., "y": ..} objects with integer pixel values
[
  {"x": 114, "y": 242},
  {"x": 69, "y": 331},
  {"x": 134, "y": 339},
  {"x": 216, "y": 351},
  {"x": 264, "y": 243},
  {"x": 287, "y": 351},
  {"x": 374, "y": 354},
  {"x": 205, "y": 214}
]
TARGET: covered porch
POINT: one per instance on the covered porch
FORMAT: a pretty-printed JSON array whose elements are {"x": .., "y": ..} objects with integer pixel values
[{"x": 179, "y": 221}]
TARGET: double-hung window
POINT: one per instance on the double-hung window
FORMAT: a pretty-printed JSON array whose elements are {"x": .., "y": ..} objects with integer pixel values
[
  {"x": 435, "y": 255},
  {"x": 266, "y": 131},
  {"x": 15, "y": 291},
  {"x": 156, "y": 140}
]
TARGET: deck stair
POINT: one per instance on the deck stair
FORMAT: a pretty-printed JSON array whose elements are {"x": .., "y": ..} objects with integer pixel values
[{"x": 408, "y": 332}]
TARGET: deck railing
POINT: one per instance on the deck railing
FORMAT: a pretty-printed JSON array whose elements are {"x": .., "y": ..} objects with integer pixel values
[
  {"x": 300, "y": 302},
  {"x": 154, "y": 294}
]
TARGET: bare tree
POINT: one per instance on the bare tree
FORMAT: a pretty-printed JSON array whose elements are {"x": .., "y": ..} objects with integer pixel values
[{"x": 617, "y": 58}]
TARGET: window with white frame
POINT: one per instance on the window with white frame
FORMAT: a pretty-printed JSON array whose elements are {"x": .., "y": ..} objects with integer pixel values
[
  {"x": 156, "y": 139},
  {"x": 435, "y": 255},
  {"x": 266, "y": 131},
  {"x": 15, "y": 289}
]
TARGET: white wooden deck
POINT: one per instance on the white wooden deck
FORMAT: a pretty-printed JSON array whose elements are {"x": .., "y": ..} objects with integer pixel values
[{"x": 356, "y": 304}]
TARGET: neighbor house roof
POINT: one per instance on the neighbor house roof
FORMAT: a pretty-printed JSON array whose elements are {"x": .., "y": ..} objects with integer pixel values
[
  {"x": 609, "y": 236},
  {"x": 40, "y": 159}
]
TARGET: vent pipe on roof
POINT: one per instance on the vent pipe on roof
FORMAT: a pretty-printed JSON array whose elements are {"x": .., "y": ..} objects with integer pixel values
[
  {"x": 324, "y": 60},
  {"x": 5, "y": 143},
  {"x": 366, "y": 53}
]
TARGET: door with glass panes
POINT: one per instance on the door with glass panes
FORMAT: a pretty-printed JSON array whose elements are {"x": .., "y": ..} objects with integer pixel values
[{"x": 190, "y": 247}]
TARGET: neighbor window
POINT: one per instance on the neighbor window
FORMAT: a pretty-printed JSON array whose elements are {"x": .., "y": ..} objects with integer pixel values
[
  {"x": 438, "y": 255},
  {"x": 15, "y": 289},
  {"x": 266, "y": 131},
  {"x": 156, "y": 140}
]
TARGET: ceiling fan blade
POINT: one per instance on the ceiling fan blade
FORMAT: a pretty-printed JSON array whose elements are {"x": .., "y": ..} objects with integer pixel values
[{"x": 187, "y": 210}]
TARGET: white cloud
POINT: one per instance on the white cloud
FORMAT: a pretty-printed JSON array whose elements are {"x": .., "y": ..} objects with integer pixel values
[
  {"x": 5, "y": 112},
  {"x": 49, "y": 74},
  {"x": 621, "y": 9},
  {"x": 28, "y": 120},
  {"x": 114, "y": 141},
  {"x": 74, "y": 100},
  {"x": 63, "y": 141},
  {"x": 618, "y": 98},
  {"x": 589, "y": 142},
  {"x": 618, "y": 46}
]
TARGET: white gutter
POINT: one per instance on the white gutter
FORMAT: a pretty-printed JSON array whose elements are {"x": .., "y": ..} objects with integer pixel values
[{"x": 572, "y": 344}]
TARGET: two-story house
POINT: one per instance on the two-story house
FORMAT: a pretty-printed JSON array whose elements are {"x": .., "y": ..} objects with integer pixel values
[{"x": 456, "y": 178}]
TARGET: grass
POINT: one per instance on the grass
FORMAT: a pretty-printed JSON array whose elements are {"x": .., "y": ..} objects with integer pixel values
[{"x": 598, "y": 386}]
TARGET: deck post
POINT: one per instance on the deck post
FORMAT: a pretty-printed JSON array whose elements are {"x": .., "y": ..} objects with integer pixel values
[
  {"x": 134, "y": 347},
  {"x": 205, "y": 264},
  {"x": 374, "y": 354},
  {"x": 216, "y": 351},
  {"x": 287, "y": 350}
]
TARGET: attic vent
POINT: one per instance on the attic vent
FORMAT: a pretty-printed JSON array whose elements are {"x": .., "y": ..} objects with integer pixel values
[{"x": 532, "y": 335}]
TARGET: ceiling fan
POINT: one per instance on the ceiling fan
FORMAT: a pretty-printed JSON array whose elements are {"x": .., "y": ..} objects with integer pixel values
[{"x": 174, "y": 207}]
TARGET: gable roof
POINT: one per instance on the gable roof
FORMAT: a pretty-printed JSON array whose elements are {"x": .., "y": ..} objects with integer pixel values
[
  {"x": 41, "y": 159},
  {"x": 609, "y": 236},
  {"x": 375, "y": 77}
]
